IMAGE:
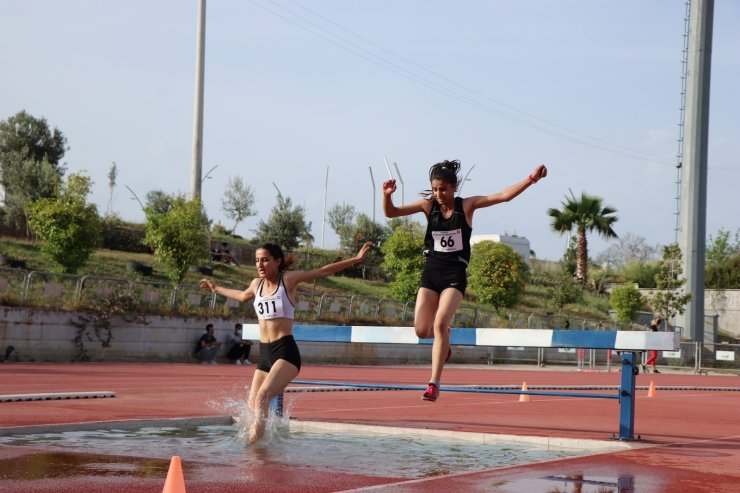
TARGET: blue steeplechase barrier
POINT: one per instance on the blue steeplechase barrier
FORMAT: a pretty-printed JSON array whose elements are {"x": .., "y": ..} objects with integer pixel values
[{"x": 627, "y": 343}]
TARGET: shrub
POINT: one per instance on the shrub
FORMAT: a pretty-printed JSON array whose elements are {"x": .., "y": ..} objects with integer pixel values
[{"x": 626, "y": 300}]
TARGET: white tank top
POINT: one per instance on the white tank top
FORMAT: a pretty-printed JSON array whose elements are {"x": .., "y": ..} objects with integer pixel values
[{"x": 276, "y": 305}]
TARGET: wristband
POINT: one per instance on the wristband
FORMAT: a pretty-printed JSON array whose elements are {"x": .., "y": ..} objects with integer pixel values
[{"x": 532, "y": 179}]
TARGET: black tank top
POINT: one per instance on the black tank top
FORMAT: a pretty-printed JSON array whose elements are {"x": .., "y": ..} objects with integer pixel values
[{"x": 448, "y": 239}]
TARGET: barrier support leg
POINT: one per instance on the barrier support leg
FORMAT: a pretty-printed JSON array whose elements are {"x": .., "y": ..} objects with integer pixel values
[
  {"x": 627, "y": 397},
  {"x": 276, "y": 405}
]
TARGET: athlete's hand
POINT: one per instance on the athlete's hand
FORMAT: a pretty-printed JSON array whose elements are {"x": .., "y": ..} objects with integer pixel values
[
  {"x": 539, "y": 173},
  {"x": 363, "y": 251},
  {"x": 208, "y": 285},
  {"x": 389, "y": 187}
]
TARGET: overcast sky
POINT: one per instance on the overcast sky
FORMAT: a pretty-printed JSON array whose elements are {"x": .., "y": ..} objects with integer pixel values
[{"x": 591, "y": 88}]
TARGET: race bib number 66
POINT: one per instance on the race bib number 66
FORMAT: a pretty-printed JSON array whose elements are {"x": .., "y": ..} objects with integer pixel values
[{"x": 448, "y": 241}]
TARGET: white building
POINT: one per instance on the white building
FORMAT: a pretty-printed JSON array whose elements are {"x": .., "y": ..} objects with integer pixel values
[{"x": 519, "y": 243}]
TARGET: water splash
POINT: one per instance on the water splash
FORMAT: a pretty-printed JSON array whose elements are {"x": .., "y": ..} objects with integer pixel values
[{"x": 276, "y": 426}]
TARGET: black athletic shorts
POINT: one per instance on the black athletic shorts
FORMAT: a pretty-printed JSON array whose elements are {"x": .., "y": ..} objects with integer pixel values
[
  {"x": 439, "y": 275},
  {"x": 284, "y": 348}
]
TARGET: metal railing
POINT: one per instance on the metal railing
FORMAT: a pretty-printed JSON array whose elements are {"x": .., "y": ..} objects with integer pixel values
[{"x": 53, "y": 290}]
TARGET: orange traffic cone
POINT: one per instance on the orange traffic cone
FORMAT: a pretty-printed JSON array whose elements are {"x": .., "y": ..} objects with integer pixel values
[
  {"x": 524, "y": 397},
  {"x": 651, "y": 391},
  {"x": 175, "y": 482}
]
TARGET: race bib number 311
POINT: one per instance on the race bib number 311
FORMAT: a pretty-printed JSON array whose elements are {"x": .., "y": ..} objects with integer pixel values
[
  {"x": 269, "y": 307},
  {"x": 448, "y": 241}
]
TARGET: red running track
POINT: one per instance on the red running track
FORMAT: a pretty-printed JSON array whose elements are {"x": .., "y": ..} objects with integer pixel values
[{"x": 690, "y": 439}]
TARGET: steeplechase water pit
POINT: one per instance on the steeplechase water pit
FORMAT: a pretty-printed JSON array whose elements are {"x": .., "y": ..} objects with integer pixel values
[{"x": 140, "y": 448}]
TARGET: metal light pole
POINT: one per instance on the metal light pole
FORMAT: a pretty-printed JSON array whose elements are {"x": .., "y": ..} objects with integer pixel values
[
  {"x": 323, "y": 219},
  {"x": 372, "y": 180},
  {"x": 694, "y": 184},
  {"x": 399, "y": 179},
  {"x": 200, "y": 53}
]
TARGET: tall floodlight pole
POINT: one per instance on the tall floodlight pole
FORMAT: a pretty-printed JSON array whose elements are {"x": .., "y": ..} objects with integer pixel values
[
  {"x": 694, "y": 184},
  {"x": 399, "y": 179},
  {"x": 388, "y": 167},
  {"x": 200, "y": 53},
  {"x": 323, "y": 219},
  {"x": 372, "y": 180}
]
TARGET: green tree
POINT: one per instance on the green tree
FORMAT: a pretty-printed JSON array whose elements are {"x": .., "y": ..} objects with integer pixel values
[
  {"x": 626, "y": 300},
  {"x": 643, "y": 273},
  {"x": 238, "y": 201},
  {"x": 721, "y": 248},
  {"x": 70, "y": 227},
  {"x": 160, "y": 202},
  {"x": 353, "y": 236},
  {"x": 32, "y": 136},
  {"x": 498, "y": 275},
  {"x": 179, "y": 236},
  {"x": 29, "y": 163},
  {"x": 669, "y": 299},
  {"x": 584, "y": 214},
  {"x": 723, "y": 275},
  {"x": 26, "y": 181},
  {"x": 569, "y": 257},
  {"x": 341, "y": 216},
  {"x": 723, "y": 259},
  {"x": 286, "y": 225},
  {"x": 403, "y": 260}
]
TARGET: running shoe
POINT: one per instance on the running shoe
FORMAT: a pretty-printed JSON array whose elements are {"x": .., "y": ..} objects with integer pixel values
[{"x": 431, "y": 394}]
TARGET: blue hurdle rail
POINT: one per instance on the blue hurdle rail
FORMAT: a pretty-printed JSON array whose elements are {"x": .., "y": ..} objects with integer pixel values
[{"x": 627, "y": 342}]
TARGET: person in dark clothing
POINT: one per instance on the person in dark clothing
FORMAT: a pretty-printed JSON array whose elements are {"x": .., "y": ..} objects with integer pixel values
[
  {"x": 446, "y": 251},
  {"x": 239, "y": 348},
  {"x": 206, "y": 349}
]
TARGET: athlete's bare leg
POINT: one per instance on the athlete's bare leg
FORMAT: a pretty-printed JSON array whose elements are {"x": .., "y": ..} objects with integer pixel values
[
  {"x": 449, "y": 301},
  {"x": 281, "y": 374},
  {"x": 427, "y": 302}
]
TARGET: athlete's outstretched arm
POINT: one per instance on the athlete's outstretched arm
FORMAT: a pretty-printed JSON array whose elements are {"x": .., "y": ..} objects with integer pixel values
[
  {"x": 234, "y": 294},
  {"x": 391, "y": 210},
  {"x": 507, "y": 194},
  {"x": 329, "y": 269}
]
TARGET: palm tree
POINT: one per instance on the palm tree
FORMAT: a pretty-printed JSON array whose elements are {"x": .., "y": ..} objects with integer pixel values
[{"x": 585, "y": 214}]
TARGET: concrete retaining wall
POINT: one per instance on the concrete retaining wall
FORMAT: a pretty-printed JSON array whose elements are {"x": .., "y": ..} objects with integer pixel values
[{"x": 49, "y": 336}]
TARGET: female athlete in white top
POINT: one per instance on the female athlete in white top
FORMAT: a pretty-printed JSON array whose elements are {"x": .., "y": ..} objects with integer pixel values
[{"x": 279, "y": 358}]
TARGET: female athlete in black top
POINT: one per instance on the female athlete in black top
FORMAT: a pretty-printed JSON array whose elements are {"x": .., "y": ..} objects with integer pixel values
[{"x": 447, "y": 252}]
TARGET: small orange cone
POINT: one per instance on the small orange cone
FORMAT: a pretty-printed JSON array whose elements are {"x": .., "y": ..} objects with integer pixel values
[
  {"x": 524, "y": 397},
  {"x": 651, "y": 391},
  {"x": 175, "y": 482}
]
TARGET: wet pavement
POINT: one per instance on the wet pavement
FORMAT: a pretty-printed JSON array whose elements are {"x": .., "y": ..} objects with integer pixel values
[{"x": 689, "y": 431}]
